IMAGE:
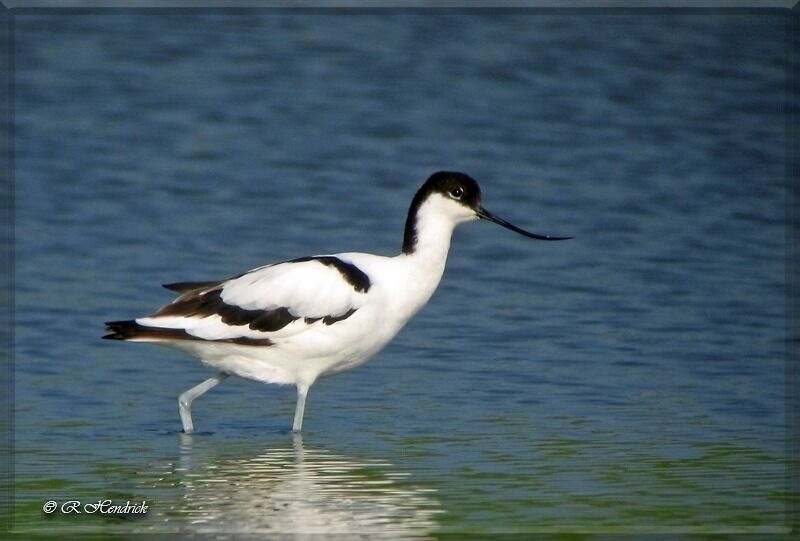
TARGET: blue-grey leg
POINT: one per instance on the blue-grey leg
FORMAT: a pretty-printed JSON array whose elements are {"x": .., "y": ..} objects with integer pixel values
[
  {"x": 302, "y": 391},
  {"x": 185, "y": 400}
]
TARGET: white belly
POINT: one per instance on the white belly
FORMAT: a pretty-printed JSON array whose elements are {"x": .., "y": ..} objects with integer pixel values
[{"x": 319, "y": 351}]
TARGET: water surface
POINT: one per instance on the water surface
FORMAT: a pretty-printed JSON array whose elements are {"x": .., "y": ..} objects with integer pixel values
[{"x": 629, "y": 380}]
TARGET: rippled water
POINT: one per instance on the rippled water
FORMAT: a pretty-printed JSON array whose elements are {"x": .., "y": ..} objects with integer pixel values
[
  {"x": 286, "y": 488},
  {"x": 630, "y": 380}
]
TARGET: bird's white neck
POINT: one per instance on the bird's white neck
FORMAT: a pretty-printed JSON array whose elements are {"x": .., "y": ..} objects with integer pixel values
[
  {"x": 432, "y": 240},
  {"x": 429, "y": 229},
  {"x": 428, "y": 233}
]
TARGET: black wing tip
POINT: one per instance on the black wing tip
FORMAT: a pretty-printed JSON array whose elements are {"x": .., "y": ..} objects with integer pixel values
[
  {"x": 129, "y": 329},
  {"x": 121, "y": 330}
]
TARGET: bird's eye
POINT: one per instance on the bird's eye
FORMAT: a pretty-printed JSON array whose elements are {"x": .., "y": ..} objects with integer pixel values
[{"x": 457, "y": 192}]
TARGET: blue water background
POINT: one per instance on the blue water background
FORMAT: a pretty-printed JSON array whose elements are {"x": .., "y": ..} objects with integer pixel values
[{"x": 629, "y": 380}]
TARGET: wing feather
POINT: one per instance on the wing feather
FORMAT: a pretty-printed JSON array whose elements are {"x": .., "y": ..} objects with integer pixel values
[{"x": 272, "y": 302}]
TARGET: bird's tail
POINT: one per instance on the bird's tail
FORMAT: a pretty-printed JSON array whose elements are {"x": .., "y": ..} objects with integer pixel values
[
  {"x": 132, "y": 331},
  {"x": 121, "y": 330}
]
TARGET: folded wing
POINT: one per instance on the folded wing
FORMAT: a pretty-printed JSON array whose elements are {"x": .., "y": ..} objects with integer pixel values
[{"x": 266, "y": 304}]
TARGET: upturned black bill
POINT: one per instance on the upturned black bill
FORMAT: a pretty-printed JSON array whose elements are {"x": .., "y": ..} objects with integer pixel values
[{"x": 486, "y": 215}]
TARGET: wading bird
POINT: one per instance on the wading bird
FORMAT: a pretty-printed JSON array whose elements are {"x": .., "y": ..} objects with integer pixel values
[{"x": 292, "y": 322}]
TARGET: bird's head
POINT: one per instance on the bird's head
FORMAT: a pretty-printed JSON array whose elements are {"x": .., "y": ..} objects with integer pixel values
[{"x": 457, "y": 198}]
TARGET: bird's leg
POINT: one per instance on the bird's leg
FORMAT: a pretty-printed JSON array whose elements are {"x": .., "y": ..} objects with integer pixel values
[
  {"x": 185, "y": 400},
  {"x": 302, "y": 391}
]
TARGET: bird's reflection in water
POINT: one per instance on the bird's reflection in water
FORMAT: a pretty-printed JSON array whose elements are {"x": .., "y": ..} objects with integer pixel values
[{"x": 296, "y": 490}]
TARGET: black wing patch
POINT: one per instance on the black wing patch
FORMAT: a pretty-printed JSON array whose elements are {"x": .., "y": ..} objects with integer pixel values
[
  {"x": 354, "y": 276},
  {"x": 330, "y": 320},
  {"x": 196, "y": 303},
  {"x": 183, "y": 287},
  {"x": 209, "y": 303}
]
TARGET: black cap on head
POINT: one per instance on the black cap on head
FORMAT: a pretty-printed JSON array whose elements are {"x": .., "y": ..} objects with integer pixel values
[{"x": 451, "y": 184}]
